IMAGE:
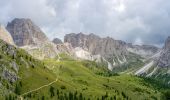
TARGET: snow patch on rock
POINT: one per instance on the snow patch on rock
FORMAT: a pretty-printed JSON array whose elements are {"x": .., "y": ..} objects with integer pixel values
[{"x": 145, "y": 68}]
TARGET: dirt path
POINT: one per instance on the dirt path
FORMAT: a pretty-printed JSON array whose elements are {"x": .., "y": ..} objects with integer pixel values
[
  {"x": 21, "y": 98},
  {"x": 39, "y": 88}
]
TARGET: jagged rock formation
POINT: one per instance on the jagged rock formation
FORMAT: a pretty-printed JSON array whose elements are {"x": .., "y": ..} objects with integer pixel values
[
  {"x": 143, "y": 50},
  {"x": 5, "y": 36},
  {"x": 113, "y": 51},
  {"x": 57, "y": 41},
  {"x": 96, "y": 45},
  {"x": 30, "y": 37},
  {"x": 158, "y": 64},
  {"x": 25, "y": 32},
  {"x": 164, "y": 60}
]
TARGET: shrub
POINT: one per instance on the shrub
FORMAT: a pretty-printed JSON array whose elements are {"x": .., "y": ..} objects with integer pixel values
[
  {"x": 167, "y": 95},
  {"x": 63, "y": 87},
  {"x": 0, "y": 56}
]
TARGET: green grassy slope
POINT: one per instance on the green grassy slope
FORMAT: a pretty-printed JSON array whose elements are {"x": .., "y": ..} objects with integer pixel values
[
  {"x": 67, "y": 79},
  {"x": 133, "y": 63},
  {"x": 75, "y": 76},
  {"x": 16, "y": 63}
]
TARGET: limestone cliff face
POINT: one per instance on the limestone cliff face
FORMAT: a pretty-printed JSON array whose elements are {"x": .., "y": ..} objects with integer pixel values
[
  {"x": 5, "y": 35},
  {"x": 25, "y": 32},
  {"x": 164, "y": 60},
  {"x": 96, "y": 45},
  {"x": 112, "y": 51}
]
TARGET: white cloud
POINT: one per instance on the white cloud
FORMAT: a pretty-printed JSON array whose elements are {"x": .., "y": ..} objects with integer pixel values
[
  {"x": 138, "y": 41},
  {"x": 122, "y": 19},
  {"x": 120, "y": 6}
]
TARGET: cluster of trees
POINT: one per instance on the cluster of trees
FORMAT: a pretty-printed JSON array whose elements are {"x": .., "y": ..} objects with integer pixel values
[
  {"x": 65, "y": 96},
  {"x": 99, "y": 68},
  {"x": 57, "y": 94},
  {"x": 107, "y": 74},
  {"x": 10, "y": 97},
  {"x": 61, "y": 94}
]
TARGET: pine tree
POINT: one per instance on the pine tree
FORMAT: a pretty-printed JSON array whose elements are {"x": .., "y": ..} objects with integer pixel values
[
  {"x": 52, "y": 91},
  {"x": 80, "y": 96},
  {"x": 75, "y": 95},
  {"x": 43, "y": 98},
  {"x": 70, "y": 96},
  {"x": 17, "y": 89}
]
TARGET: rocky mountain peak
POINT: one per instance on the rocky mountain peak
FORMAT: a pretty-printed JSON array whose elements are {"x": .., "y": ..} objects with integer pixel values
[
  {"x": 57, "y": 41},
  {"x": 164, "y": 60},
  {"x": 25, "y": 32},
  {"x": 167, "y": 43},
  {"x": 5, "y": 35}
]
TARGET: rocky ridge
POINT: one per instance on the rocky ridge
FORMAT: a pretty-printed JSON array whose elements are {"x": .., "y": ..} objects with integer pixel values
[
  {"x": 164, "y": 60},
  {"x": 93, "y": 47},
  {"x": 158, "y": 64}
]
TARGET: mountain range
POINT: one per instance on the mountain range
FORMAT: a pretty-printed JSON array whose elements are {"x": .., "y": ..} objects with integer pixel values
[{"x": 26, "y": 53}]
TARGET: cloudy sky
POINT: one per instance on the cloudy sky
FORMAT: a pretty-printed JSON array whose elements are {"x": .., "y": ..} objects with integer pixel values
[{"x": 136, "y": 21}]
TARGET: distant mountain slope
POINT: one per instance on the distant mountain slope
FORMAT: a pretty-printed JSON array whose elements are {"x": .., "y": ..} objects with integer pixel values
[
  {"x": 157, "y": 66},
  {"x": 143, "y": 50},
  {"x": 106, "y": 50}
]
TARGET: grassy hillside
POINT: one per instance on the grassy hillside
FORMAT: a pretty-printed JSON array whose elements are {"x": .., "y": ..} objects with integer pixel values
[
  {"x": 23, "y": 77},
  {"x": 20, "y": 72},
  {"x": 133, "y": 63},
  {"x": 75, "y": 76}
]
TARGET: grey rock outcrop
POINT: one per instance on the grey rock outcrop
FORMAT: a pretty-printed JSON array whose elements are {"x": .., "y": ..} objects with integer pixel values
[
  {"x": 65, "y": 48},
  {"x": 10, "y": 76},
  {"x": 25, "y": 32}
]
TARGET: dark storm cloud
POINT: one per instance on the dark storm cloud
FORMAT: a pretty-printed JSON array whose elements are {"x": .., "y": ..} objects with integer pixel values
[{"x": 137, "y": 21}]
